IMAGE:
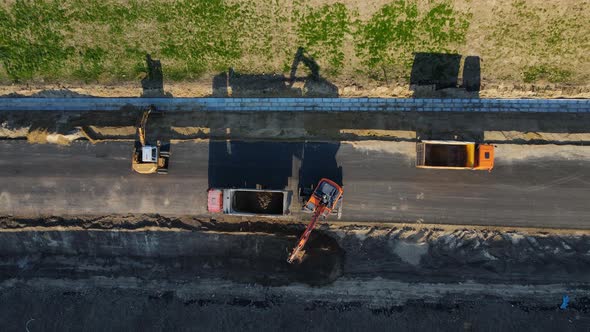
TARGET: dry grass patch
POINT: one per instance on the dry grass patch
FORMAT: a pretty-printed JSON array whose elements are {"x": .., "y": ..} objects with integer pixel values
[{"x": 105, "y": 41}]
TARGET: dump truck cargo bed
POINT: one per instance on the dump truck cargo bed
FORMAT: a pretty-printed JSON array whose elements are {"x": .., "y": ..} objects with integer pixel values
[
  {"x": 447, "y": 155},
  {"x": 249, "y": 201},
  {"x": 454, "y": 155},
  {"x": 262, "y": 202}
]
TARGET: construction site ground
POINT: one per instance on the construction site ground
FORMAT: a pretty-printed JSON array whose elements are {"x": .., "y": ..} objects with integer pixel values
[
  {"x": 380, "y": 180},
  {"x": 268, "y": 87},
  {"x": 87, "y": 245},
  {"x": 160, "y": 273}
]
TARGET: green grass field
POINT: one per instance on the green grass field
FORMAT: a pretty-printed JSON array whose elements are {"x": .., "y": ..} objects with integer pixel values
[{"x": 106, "y": 41}]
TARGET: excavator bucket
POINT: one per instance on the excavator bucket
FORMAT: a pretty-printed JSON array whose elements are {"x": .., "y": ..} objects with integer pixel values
[{"x": 297, "y": 257}]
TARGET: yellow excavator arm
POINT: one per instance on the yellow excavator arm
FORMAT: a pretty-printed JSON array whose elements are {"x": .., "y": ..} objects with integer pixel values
[{"x": 141, "y": 127}]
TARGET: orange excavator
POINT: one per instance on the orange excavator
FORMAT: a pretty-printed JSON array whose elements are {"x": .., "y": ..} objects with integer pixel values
[{"x": 326, "y": 197}]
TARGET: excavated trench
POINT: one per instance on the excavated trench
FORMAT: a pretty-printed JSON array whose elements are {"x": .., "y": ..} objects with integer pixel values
[
  {"x": 158, "y": 247},
  {"x": 153, "y": 247}
]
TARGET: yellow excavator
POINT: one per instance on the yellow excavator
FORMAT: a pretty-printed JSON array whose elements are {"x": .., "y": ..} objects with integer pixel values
[{"x": 148, "y": 159}]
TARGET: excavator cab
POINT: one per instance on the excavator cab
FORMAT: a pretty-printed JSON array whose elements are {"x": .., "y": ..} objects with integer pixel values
[
  {"x": 327, "y": 195},
  {"x": 148, "y": 159},
  {"x": 149, "y": 154}
]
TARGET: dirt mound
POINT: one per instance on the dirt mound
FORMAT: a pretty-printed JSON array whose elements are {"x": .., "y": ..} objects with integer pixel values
[
  {"x": 117, "y": 222},
  {"x": 10, "y": 131},
  {"x": 43, "y": 137}
]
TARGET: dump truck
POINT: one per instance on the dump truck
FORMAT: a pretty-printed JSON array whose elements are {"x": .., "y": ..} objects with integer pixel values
[
  {"x": 323, "y": 201},
  {"x": 148, "y": 158},
  {"x": 454, "y": 155},
  {"x": 249, "y": 202}
]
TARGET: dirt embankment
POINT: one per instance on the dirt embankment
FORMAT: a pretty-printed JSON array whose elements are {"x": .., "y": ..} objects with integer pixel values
[
  {"x": 155, "y": 272},
  {"x": 268, "y": 88},
  {"x": 412, "y": 254},
  {"x": 91, "y": 305}
]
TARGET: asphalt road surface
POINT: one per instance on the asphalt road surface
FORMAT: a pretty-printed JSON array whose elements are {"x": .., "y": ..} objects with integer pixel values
[{"x": 380, "y": 181}]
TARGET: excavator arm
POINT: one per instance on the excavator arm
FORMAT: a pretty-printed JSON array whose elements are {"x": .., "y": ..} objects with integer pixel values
[
  {"x": 141, "y": 126},
  {"x": 305, "y": 236}
]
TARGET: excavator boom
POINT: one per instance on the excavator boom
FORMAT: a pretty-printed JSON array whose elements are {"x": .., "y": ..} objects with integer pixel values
[{"x": 141, "y": 127}]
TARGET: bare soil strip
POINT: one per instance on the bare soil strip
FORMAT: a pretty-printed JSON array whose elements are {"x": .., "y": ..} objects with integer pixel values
[
  {"x": 522, "y": 128},
  {"x": 256, "y": 251},
  {"x": 156, "y": 272}
]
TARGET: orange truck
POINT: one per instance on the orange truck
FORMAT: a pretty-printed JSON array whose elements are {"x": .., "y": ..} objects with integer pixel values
[{"x": 454, "y": 155}]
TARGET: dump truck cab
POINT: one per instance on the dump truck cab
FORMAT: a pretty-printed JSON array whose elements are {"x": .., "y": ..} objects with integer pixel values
[
  {"x": 485, "y": 160},
  {"x": 454, "y": 155}
]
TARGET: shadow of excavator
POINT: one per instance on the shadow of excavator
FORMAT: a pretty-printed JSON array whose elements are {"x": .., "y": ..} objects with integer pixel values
[
  {"x": 311, "y": 84},
  {"x": 153, "y": 83}
]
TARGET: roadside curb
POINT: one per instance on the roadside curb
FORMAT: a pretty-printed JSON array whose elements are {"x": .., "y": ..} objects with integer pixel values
[{"x": 299, "y": 104}]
